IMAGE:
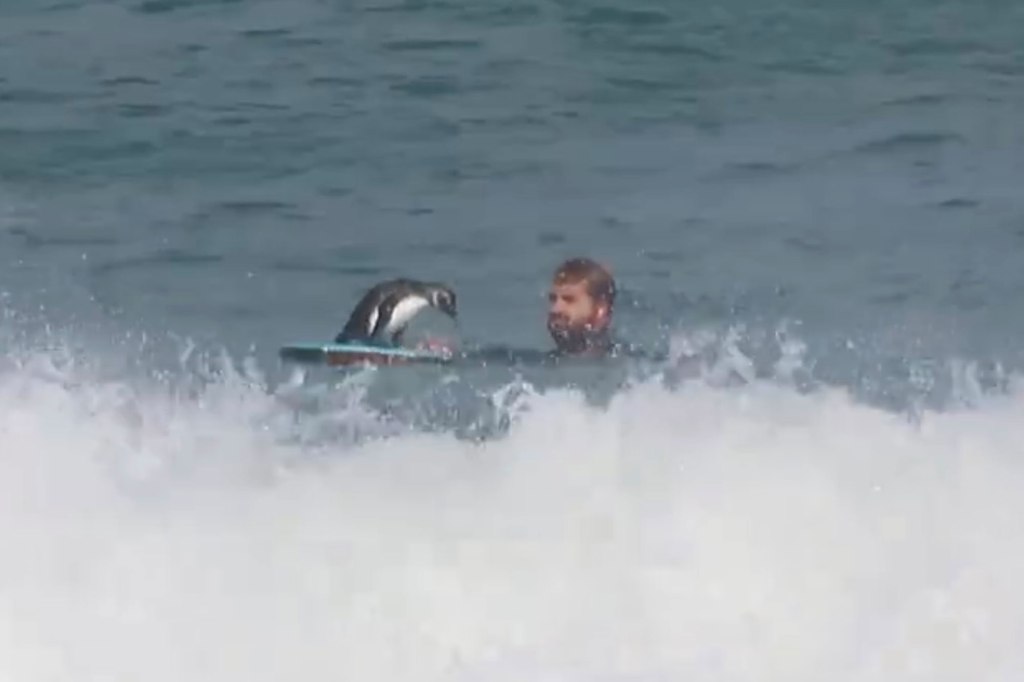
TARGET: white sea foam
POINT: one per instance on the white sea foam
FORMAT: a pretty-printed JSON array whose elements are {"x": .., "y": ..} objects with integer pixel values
[{"x": 747, "y": 533}]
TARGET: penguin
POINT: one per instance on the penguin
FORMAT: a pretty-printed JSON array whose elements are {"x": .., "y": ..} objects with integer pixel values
[{"x": 384, "y": 311}]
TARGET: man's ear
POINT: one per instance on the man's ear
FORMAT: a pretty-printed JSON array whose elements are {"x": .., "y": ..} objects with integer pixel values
[{"x": 602, "y": 313}]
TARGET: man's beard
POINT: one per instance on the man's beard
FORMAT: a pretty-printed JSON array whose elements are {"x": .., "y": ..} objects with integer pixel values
[{"x": 576, "y": 339}]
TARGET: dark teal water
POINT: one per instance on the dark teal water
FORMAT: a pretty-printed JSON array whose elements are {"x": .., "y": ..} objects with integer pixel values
[
  {"x": 239, "y": 172},
  {"x": 818, "y": 203}
]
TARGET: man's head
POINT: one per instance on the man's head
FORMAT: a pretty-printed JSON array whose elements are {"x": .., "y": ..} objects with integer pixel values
[{"x": 580, "y": 305}]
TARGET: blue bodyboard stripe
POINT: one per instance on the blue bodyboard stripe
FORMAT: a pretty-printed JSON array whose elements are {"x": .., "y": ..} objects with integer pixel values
[{"x": 318, "y": 352}]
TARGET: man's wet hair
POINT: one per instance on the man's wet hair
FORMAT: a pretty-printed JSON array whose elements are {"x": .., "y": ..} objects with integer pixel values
[{"x": 600, "y": 283}]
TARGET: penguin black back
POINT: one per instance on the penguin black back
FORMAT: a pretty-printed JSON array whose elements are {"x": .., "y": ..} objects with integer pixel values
[{"x": 372, "y": 315}]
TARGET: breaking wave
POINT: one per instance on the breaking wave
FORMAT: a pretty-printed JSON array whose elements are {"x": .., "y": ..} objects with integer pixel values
[{"x": 209, "y": 525}]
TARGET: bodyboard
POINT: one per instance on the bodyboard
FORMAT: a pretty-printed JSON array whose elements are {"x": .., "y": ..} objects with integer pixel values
[{"x": 342, "y": 354}]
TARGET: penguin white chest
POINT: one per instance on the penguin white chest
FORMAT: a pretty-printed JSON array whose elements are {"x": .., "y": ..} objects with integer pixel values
[{"x": 401, "y": 314}]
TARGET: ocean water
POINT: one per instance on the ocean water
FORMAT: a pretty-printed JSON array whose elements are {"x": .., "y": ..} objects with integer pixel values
[{"x": 813, "y": 208}]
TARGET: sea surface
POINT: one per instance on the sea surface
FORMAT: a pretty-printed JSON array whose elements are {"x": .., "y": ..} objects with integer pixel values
[{"x": 813, "y": 211}]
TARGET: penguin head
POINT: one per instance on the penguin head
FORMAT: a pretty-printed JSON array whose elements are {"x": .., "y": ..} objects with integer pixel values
[{"x": 443, "y": 298}]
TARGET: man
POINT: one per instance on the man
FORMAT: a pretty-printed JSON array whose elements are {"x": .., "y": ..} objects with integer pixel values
[{"x": 581, "y": 298}]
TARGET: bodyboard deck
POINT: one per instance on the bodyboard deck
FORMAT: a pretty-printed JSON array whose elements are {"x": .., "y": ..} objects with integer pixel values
[
  {"x": 342, "y": 354},
  {"x": 348, "y": 354}
]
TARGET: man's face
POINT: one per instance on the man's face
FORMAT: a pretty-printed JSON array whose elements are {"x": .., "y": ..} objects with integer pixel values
[{"x": 572, "y": 311}]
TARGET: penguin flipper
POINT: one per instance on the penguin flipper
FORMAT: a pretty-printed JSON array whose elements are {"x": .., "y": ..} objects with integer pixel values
[
  {"x": 384, "y": 311},
  {"x": 363, "y": 322}
]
